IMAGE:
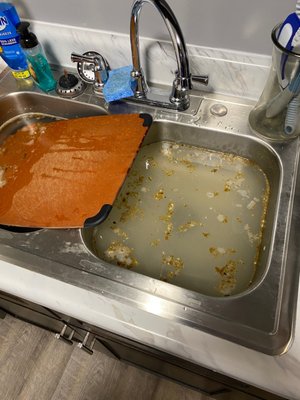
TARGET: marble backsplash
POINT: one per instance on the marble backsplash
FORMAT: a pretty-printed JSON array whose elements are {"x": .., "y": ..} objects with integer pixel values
[{"x": 230, "y": 72}]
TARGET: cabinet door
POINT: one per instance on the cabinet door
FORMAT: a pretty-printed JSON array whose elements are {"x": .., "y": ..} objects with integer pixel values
[
  {"x": 165, "y": 368},
  {"x": 29, "y": 315},
  {"x": 2, "y": 314},
  {"x": 42, "y": 319},
  {"x": 212, "y": 383},
  {"x": 27, "y": 304},
  {"x": 93, "y": 338}
]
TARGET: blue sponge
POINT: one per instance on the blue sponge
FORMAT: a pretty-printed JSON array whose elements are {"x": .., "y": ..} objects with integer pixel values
[{"x": 119, "y": 85}]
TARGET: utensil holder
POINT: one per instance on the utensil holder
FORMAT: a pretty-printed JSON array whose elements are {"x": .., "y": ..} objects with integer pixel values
[{"x": 276, "y": 116}]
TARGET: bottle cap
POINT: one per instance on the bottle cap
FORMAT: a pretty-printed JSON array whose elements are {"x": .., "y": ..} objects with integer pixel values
[{"x": 27, "y": 39}]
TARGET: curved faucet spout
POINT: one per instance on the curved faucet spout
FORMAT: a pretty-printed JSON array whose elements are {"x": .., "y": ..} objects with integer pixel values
[{"x": 182, "y": 83}]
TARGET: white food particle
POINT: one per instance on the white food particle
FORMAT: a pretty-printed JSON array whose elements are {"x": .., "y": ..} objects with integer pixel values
[
  {"x": 251, "y": 236},
  {"x": 121, "y": 254},
  {"x": 2, "y": 178},
  {"x": 221, "y": 250},
  {"x": 166, "y": 149},
  {"x": 243, "y": 193},
  {"x": 251, "y": 205},
  {"x": 222, "y": 218}
]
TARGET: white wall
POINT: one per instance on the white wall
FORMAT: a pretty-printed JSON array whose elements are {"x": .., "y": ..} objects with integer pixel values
[{"x": 243, "y": 25}]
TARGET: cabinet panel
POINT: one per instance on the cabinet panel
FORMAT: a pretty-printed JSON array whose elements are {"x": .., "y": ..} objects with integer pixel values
[
  {"x": 30, "y": 315},
  {"x": 238, "y": 390},
  {"x": 2, "y": 314},
  {"x": 41, "y": 320},
  {"x": 167, "y": 369},
  {"x": 209, "y": 382},
  {"x": 27, "y": 304}
]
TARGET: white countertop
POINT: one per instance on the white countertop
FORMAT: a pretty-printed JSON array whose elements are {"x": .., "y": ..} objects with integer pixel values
[{"x": 279, "y": 374}]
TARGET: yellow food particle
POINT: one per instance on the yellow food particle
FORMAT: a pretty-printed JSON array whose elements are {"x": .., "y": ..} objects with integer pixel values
[
  {"x": 119, "y": 232},
  {"x": 155, "y": 243},
  {"x": 188, "y": 225},
  {"x": 175, "y": 263},
  {"x": 169, "y": 172},
  {"x": 159, "y": 195},
  {"x": 190, "y": 166},
  {"x": 227, "y": 187},
  {"x": 167, "y": 218},
  {"x": 227, "y": 275},
  {"x": 121, "y": 255}
]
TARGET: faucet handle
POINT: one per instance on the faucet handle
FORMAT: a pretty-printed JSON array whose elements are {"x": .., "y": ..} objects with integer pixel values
[
  {"x": 204, "y": 79},
  {"x": 93, "y": 68}
]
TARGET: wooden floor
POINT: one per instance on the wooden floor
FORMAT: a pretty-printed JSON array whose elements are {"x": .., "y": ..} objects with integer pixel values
[{"x": 36, "y": 366}]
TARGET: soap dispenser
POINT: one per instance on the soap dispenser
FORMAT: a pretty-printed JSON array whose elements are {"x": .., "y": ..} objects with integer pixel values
[{"x": 38, "y": 64}]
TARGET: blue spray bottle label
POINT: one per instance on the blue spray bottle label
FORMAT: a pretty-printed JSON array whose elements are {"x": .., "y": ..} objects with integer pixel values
[{"x": 10, "y": 48}]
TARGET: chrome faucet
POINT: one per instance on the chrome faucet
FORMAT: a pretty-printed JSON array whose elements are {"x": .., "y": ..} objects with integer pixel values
[{"x": 179, "y": 98}]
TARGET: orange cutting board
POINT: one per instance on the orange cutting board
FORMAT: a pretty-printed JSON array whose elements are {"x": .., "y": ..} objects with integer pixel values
[{"x": 67, "y": 174}]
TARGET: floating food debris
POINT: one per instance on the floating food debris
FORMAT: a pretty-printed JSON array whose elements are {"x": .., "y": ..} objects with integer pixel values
[
  {"x": 159, "y": 195},
  {"x": 120, "y": 233},
  {"x": 211, "y": 195},
  {"x": 121, "y": 255},
  {"x": 167, "y": 218},
  {"x": 155, "y": 243},
  {"x": 175, "y": 263},
  {"x": 174, "y": 216},
  {"x": 220, "y": 251},
  {"x": 227, "y": 275},
  {"x": 188, "y": 225},
  {"x": 222, "y": 218}
]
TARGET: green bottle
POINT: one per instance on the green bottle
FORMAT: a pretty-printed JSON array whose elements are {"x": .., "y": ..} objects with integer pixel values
[{"x": 36, "y": 58}]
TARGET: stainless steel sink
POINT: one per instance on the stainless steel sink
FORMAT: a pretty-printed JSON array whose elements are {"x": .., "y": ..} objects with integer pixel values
[{"x": 261, "y": 317}]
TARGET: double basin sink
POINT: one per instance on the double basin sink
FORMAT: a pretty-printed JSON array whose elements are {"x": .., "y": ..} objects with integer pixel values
[{"x": 204, "y": 231}]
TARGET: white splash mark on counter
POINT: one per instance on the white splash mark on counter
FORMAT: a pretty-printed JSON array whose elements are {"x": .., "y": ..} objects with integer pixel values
[{"x": 73, "y": 248}]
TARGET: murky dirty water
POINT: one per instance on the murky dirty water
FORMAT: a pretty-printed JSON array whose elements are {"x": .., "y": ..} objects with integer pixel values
[{"x": 188, "y": 216}]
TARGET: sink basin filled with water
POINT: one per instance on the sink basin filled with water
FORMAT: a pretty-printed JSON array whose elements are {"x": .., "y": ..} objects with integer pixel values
[{"x": 191, "y": 216}]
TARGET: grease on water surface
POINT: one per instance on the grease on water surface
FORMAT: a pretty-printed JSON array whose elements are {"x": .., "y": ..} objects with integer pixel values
[{"x": 189, "y": 216}]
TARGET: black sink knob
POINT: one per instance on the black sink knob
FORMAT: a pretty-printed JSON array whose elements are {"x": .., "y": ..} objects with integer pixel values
[
  {"x": 68, "y": 81},
  {"x": 69, "y": 85}
]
